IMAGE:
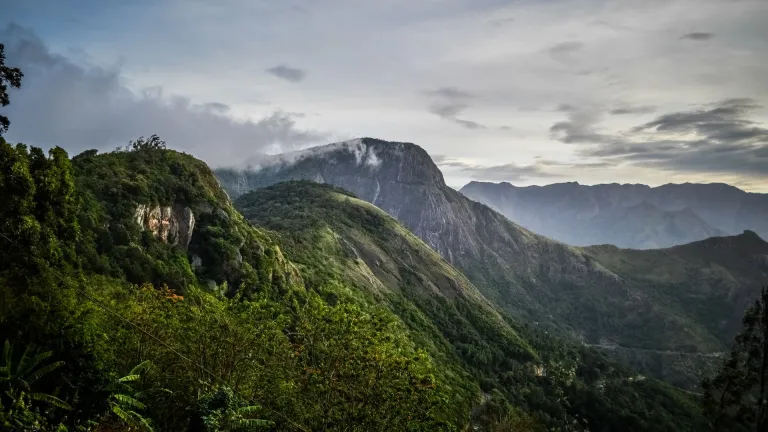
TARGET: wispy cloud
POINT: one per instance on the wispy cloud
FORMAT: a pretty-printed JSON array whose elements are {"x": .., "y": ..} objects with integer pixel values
[
  {"x": 503, "y": 172},
  {"x": 449, "y": 102},
  {"x": 720, "y": 137},
  {"x": 288, "y": 73},
  {"x": 79, "y": 107},
  {"x": 629, "y": 109},
  {"x": 698, "y": 36},
  {"x": 563, "y": 52}
]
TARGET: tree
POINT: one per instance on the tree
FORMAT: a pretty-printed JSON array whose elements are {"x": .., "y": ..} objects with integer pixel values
[
  {"x": 17, "y": 395},
  {"x": 125, "y": 400},
  {"x": 223, "y": 411},
  {"x": 8, "y": 76},
  {"x": 152, "y": 143},
  {"x": 735, "y": 398}
]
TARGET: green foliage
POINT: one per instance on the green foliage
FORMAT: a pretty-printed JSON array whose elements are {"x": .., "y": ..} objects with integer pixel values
[
  {"x": 124, "y": 400},
  {"x": 384, "y": 335},
  {"x": 735, "y": 398},
  {"x": 152, "y": 143},
  {"x": 538, "y": 380},
  {"x": 364, "y": 371},
  {"x": 18, "y": 395},
  {"x": 222, "y": 411},
  {"x": 8, "y": 77},
  {"x": 77, "y": 290}
]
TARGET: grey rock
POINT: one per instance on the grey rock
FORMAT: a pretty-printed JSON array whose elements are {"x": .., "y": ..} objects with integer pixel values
[{"x": 171, "y": 224}]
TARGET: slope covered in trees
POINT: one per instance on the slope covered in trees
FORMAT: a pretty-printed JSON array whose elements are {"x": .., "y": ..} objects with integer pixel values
[
  {"x": 331, "y": 233},
  {"x": 225, "y": 321},
  {"x": 685, "y": 299},
  {"x": 158, "y": 305}
]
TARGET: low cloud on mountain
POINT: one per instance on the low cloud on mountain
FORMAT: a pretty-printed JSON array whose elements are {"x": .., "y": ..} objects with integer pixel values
[{"x": 78, "y": 107}]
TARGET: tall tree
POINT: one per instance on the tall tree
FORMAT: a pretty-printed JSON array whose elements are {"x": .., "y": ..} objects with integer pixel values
[
  {"x": 735, "y": 398},
  {"x": 8, "y": 77}
]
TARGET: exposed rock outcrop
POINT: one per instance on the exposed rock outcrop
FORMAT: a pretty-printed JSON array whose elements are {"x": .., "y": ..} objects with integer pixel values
[
  {"x": 171, "y": 224},
  {"x": 590, "y": 291}
]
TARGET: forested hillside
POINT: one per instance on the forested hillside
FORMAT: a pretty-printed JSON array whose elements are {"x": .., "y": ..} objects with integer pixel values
[
  {"x": 156, "y": 304},
  {"x": 683, "y": 300},
  {"x": 561, "y": 384},
  {"x": 231, "y": 334}
]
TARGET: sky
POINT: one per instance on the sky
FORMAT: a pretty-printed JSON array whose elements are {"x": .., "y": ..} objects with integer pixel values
[{"x": 528, "y": 91}]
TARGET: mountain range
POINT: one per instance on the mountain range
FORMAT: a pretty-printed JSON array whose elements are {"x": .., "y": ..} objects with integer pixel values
[
  {"x": 627, "y": 215},
  {"x": 296, "y": 307},
  {"x": 687, "y": 299}
]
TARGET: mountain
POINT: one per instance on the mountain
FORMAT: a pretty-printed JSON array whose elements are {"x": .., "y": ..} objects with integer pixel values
[
  {"x": 332, "y": 235},
  {"x": 687, "y": 299},
  {"x": 142, "y": 297},
  {"x": 630, "y": 216},
  {"x": 159, "y": 303}
]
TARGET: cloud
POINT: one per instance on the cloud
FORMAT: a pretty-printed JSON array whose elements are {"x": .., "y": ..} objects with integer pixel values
[
  {"x": 566, "y": 47},
  {"x": 449, "y": 102},
  {"x": 698, "y": 36},
  {"x": 502, "y": 172},
  {"x": 580, "y": 126},
  {"x": 79, "y": 107},
  {"x": 718, "y": 138},
  {"x": 451, "y": 93},
  {"x": 217, "y": 107},
  {"x": 627, "y": 109},
  {"x": 563, "y": 51},
  {"x": 469, "y": 124},
  {"x": 288, "y": 73},
  {"x": 501, "y": 22}
]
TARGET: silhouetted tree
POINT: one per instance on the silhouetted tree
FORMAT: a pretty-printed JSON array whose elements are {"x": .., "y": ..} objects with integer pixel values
[
  {"x": 735, "y": 398},
  {"x": 152, "y": 143},
  {"x": 8, "y": 77}
]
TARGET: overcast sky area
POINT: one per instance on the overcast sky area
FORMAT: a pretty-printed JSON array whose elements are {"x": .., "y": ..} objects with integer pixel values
[{"x": 529, "y": 92}]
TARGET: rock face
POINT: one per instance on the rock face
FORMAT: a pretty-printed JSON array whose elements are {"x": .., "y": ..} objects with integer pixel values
[
  {"x": 627, "y": 215},
  {"x": 171, "y": 224},
  {"x": 399, "y": 178},
  {"x": 589, "y": 292}
]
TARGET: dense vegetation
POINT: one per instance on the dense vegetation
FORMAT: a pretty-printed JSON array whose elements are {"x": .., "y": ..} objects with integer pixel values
[
  {"x": 331, "y": 234},
  {"x": 85, "y": 284},
  {"x": 669, "y": 311},
  {"x": 736, "y": 397}
]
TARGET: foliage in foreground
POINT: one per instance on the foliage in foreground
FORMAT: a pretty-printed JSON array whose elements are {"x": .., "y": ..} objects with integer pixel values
[{"x": 736, "y": 397}]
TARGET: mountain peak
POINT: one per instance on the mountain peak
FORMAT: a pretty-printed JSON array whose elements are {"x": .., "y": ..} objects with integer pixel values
[
  {"x": 751, "y": 235},
  {"x": 348, "y": 163}
]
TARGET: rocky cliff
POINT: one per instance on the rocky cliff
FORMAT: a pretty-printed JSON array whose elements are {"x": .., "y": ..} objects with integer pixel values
[
  {"x": 647, "y": 300},
  {"x": 171, "y": 224}
]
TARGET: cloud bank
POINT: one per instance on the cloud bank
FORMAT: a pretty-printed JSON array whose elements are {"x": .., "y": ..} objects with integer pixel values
[
  {"x": 78, "y": 107},
  {"x": 720, "y": 137}
]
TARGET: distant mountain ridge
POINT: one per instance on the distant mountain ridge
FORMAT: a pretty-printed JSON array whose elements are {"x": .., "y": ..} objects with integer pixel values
[
  {"x": 627, "y": 215},
  {"x": 682, "y": 299}
]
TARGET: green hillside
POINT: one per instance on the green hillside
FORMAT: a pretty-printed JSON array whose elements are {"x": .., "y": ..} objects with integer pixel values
[
  {"x": 232, "y": 335},
  {"x": 331, "y": 234},
  {"x": 653, "y": 304},
  {"x": 154, "y": 302}
]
